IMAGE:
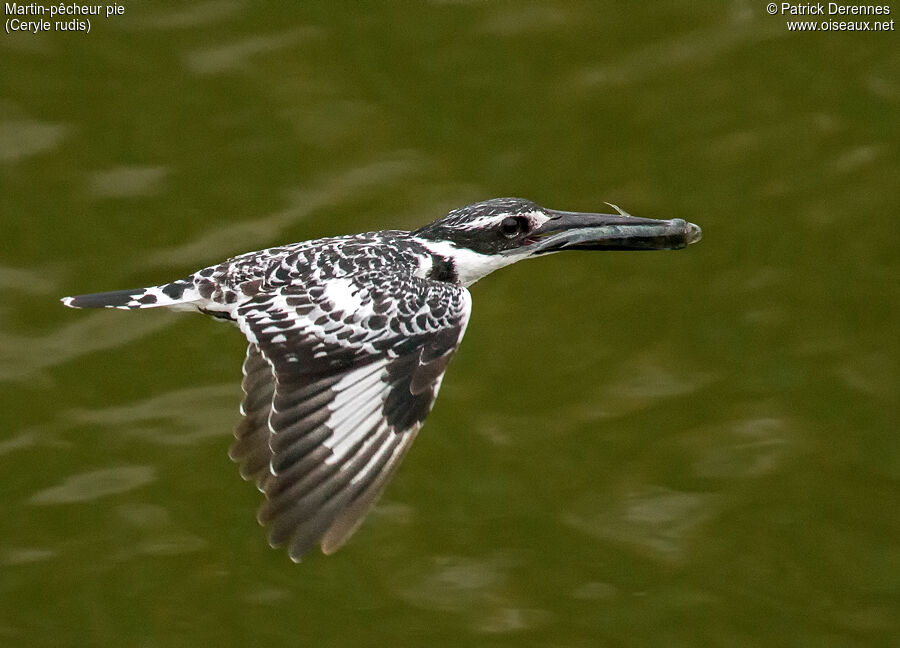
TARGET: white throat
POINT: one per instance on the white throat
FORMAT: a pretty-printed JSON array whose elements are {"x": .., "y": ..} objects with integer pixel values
[{"x": 470, "y": 265}]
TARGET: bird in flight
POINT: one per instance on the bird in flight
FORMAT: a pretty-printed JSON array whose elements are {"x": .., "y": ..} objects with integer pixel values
[{"x": 348, "y": 341}]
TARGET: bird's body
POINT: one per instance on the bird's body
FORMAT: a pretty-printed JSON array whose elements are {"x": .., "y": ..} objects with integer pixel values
[{"x": 349, "y": 338}]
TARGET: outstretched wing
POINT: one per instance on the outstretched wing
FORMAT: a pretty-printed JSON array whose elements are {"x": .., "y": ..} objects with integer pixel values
[{"x": 338, "y": 378}]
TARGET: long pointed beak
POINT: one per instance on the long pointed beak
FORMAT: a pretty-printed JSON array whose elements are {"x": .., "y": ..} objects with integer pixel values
[{"x": 577, "y": 231}]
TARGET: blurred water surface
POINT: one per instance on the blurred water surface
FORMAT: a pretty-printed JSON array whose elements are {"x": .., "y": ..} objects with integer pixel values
[{"x": 667, "y": 449}]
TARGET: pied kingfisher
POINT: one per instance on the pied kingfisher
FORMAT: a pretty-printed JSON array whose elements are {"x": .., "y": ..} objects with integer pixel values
[{"x": 349, "y": 338}]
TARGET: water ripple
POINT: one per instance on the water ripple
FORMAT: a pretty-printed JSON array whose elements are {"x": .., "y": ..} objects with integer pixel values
[
  {"x": 226, "y": 58},
  {"x": 159, "y": 535},
  {"x": 192, "y": 15},
  {"x": 22, "y": 138},
  {"x": 95, "y": 484},
  {"x": 655, "y": 519},
  {"x": 127, "y": 181},
  {"x": 640, "y": 382},
  {"x": 741, "y": 449},
  {"x": 331, "y": 191},
  {"x": 25, "y": 555},
  {"x": 179, "y": 417},
  {"x": 476, "y": 588},
  {"x": 683, "y": 52},
  {"x": 20, "y": 441},
  {"x": 29, "y": 282},
  {"x": 23, "y": 356},
  {"x": 517, "y": 20}
]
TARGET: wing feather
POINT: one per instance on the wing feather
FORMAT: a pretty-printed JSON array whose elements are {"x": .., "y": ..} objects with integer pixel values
[
  {"x": 348, "y": 521},
  {"x": 251, "y": 446},
  {"x": 334, "y": 399}
]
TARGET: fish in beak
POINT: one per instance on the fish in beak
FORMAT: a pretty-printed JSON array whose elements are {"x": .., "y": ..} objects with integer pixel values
[{"x": 620, "y": 231}]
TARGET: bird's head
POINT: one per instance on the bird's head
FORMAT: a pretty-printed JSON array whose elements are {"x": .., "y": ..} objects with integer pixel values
[{"x": 483, "y": 237}]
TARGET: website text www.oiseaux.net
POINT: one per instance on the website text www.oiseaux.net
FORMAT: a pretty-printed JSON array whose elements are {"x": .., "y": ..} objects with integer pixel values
[{"x": 833, "y": 16}]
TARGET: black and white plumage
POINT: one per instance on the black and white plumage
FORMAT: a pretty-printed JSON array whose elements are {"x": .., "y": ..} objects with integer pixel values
[{"x": 349, "y": 338}]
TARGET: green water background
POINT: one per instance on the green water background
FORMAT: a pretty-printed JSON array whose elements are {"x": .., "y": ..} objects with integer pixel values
[{"x": 697, "y": 448}]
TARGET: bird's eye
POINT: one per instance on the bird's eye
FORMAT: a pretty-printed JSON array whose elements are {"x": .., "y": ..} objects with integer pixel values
[{"x": 511, "y": 226}]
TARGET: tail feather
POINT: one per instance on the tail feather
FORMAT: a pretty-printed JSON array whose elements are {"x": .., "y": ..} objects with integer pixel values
[{"x": 173, "y": 295}]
